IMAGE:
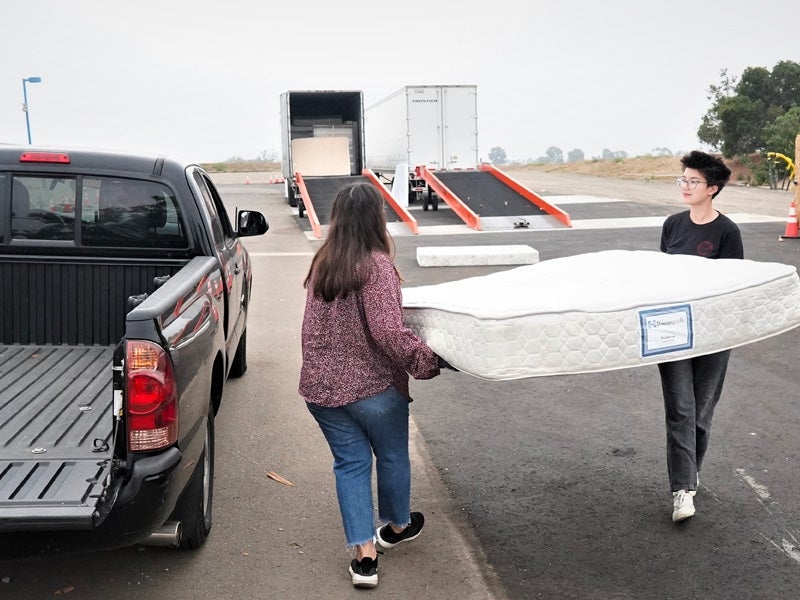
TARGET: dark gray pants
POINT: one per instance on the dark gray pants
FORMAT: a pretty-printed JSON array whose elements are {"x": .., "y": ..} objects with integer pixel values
[{"x": 691, "y": 388}]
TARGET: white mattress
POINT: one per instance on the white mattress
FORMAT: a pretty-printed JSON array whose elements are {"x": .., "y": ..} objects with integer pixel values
[{"x": 602, "y": 311}]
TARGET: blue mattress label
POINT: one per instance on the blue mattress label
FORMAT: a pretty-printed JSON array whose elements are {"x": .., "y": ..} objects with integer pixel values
[{"x": 667, "y": 329}]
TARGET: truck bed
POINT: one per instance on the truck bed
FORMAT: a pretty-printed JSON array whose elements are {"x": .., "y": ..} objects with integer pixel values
[{"x": 55, "y": 435}]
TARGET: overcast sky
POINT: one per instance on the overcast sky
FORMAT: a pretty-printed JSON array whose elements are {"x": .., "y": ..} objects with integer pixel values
[{"x": 200, "y": 80}]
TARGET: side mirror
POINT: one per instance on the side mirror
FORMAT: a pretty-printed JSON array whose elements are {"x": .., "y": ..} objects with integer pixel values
[{"x": 252, "y": 222}]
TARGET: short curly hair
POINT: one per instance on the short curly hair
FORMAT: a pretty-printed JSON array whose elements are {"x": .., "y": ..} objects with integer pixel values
[{"x": 713, "y": 168}]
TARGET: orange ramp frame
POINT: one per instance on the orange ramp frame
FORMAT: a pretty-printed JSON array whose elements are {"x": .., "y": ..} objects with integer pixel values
[
  {"x": 309, "y": 206},
  {"x": 401, "y": 211},
  {"x": 445, "y": 193},
  {"x": 556, "y": 212}
]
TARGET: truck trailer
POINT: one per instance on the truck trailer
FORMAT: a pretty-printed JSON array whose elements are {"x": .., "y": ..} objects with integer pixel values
[
  {"x": 322, "y": 135},
  {"x": 433, "y": 126}
]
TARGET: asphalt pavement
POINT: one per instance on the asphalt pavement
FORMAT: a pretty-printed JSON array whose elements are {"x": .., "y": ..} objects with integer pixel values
[
  {"x": 544, "y": 488},
  {"x": 562, "y": 480}
]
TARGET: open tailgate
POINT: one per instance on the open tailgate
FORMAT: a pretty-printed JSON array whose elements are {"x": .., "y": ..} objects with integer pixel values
[{"x": 56, "y": 436}]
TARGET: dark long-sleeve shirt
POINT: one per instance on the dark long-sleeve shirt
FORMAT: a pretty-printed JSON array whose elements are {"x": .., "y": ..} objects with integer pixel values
[{"x": 356, "y": 347}]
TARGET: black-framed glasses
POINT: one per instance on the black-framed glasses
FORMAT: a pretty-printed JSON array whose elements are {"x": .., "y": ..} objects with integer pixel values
[{"x": 688, "y": 183}]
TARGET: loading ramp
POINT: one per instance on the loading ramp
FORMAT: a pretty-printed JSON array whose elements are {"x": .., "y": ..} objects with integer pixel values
[
  {"x": 488, "y": 198},
  {"x": 318, "y": 193}
]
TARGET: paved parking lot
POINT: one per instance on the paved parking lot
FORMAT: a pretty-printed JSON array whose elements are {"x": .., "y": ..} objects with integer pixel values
[
  {"x": 545, "y": 488},
  {"x": 563, "y": 479}
]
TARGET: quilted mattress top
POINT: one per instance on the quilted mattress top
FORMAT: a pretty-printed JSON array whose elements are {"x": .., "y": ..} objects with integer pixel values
[
  {"x": 604, "y": 281},
  {"x": 602, "y": 311}
]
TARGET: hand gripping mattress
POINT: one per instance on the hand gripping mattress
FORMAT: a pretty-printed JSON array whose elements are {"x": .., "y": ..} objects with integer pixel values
[{"x": 602, "y": 311}]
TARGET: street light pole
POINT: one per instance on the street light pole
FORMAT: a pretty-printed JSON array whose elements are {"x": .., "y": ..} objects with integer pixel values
[{"x": 25, "y": 102}]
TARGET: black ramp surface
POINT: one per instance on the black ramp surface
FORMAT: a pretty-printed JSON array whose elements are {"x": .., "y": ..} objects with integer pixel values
[
  {"x": 323, "y": 190},
  {"x": 443, "y": 215},
  {"x": 486, "y": 195}
]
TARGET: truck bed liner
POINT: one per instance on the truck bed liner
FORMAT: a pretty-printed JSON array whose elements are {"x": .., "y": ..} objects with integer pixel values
[{"x": 65, "y": 429}]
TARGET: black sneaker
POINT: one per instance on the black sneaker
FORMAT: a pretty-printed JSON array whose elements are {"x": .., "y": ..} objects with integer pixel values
[
  {"x": 386, "y": 538},
  {"x": 364, "y": 572}
]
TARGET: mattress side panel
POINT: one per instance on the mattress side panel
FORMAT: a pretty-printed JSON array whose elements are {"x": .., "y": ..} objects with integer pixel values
[{"x": 574, "y": 342}]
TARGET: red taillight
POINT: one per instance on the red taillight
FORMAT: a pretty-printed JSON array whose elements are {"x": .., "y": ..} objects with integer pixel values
[
  {"x": 152, "y": 402},
  {"x": 45, "y": 157}
]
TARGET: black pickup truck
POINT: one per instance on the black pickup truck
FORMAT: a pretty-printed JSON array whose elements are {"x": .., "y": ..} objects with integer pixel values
[{"x": 124, "y": 291}]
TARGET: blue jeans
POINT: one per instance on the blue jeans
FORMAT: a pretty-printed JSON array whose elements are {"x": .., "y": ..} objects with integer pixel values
[
  {"x": 377, "y": 424},
  {"x": 691, "y": 388}
]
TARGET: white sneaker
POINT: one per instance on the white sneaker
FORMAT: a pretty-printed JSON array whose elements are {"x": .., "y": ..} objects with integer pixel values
[{"x": 683, "y": 505}]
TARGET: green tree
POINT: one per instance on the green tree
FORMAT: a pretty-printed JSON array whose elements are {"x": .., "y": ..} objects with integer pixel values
[
  {"x": 743, "y": 109},
  {"x": 614, "y": 154},
  {"x": 786, "y": 84},
  {"x": 741, "y": 121},
  {"x": 780, "y": 135},
  {"x": 661, "y": 152},
  {"x": 756, "y": 84},
  {"x": 575, "y": 155},
  {"x": 497, "y": 156},
  {"x": 555, "y": 155}
]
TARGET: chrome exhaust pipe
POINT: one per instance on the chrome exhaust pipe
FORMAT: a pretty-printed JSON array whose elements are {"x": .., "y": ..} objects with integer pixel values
[{"x": 169, "y": 534}]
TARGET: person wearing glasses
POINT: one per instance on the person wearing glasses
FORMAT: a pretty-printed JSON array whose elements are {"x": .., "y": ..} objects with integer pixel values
[{"x": 692, "y": 387}]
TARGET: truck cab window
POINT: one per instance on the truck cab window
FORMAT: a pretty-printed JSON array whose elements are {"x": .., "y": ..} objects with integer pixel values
[
  {"x": 43, "y": 208},
  {"x": 220, "y": 224},
  {"x": 130, "y": 213}
]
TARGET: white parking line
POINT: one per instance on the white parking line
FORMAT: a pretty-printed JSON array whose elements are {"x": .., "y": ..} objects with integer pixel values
[
  {"x": 761, "y": 490},
  {"x": 576, "y": 199},
  {"x": 788, "y": 548}
]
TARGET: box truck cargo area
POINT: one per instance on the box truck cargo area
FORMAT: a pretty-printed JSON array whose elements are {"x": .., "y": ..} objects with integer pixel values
[{"x": 322, "y": 135}]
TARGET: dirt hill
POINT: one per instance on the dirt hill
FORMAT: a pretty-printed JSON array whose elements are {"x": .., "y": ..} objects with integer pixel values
[
  {"x": 639, "y": 168},
  {"x": 643, "y": 168}
]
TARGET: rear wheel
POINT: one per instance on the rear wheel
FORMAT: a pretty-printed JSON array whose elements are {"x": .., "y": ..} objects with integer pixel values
[
  {"x": 194, "y": 507},
  {"x": 301, "y": 209},
  {"x": 239, "y": 364}
]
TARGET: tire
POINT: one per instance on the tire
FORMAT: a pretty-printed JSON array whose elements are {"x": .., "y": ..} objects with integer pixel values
[
  {"x": 301, "y": 208},
  {"x": 239, "y": 364},
  {"x": 428, "y": 200},
  {"x": 435, "y": 203},
  {"x": 194, "y": 509},
  {"x": 290, "y": 197}
]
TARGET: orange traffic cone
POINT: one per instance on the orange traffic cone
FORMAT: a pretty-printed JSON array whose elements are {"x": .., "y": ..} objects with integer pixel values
[
  {"x": 791, "y": 224},
  {"x": 247, "y": 181}
]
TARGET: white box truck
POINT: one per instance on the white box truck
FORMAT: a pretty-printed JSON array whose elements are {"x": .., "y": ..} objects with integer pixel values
[{"x": 435, "y": 126}]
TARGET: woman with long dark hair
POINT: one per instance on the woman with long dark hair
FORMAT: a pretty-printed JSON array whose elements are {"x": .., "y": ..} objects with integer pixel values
[{"x": 357, "y": 356}]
